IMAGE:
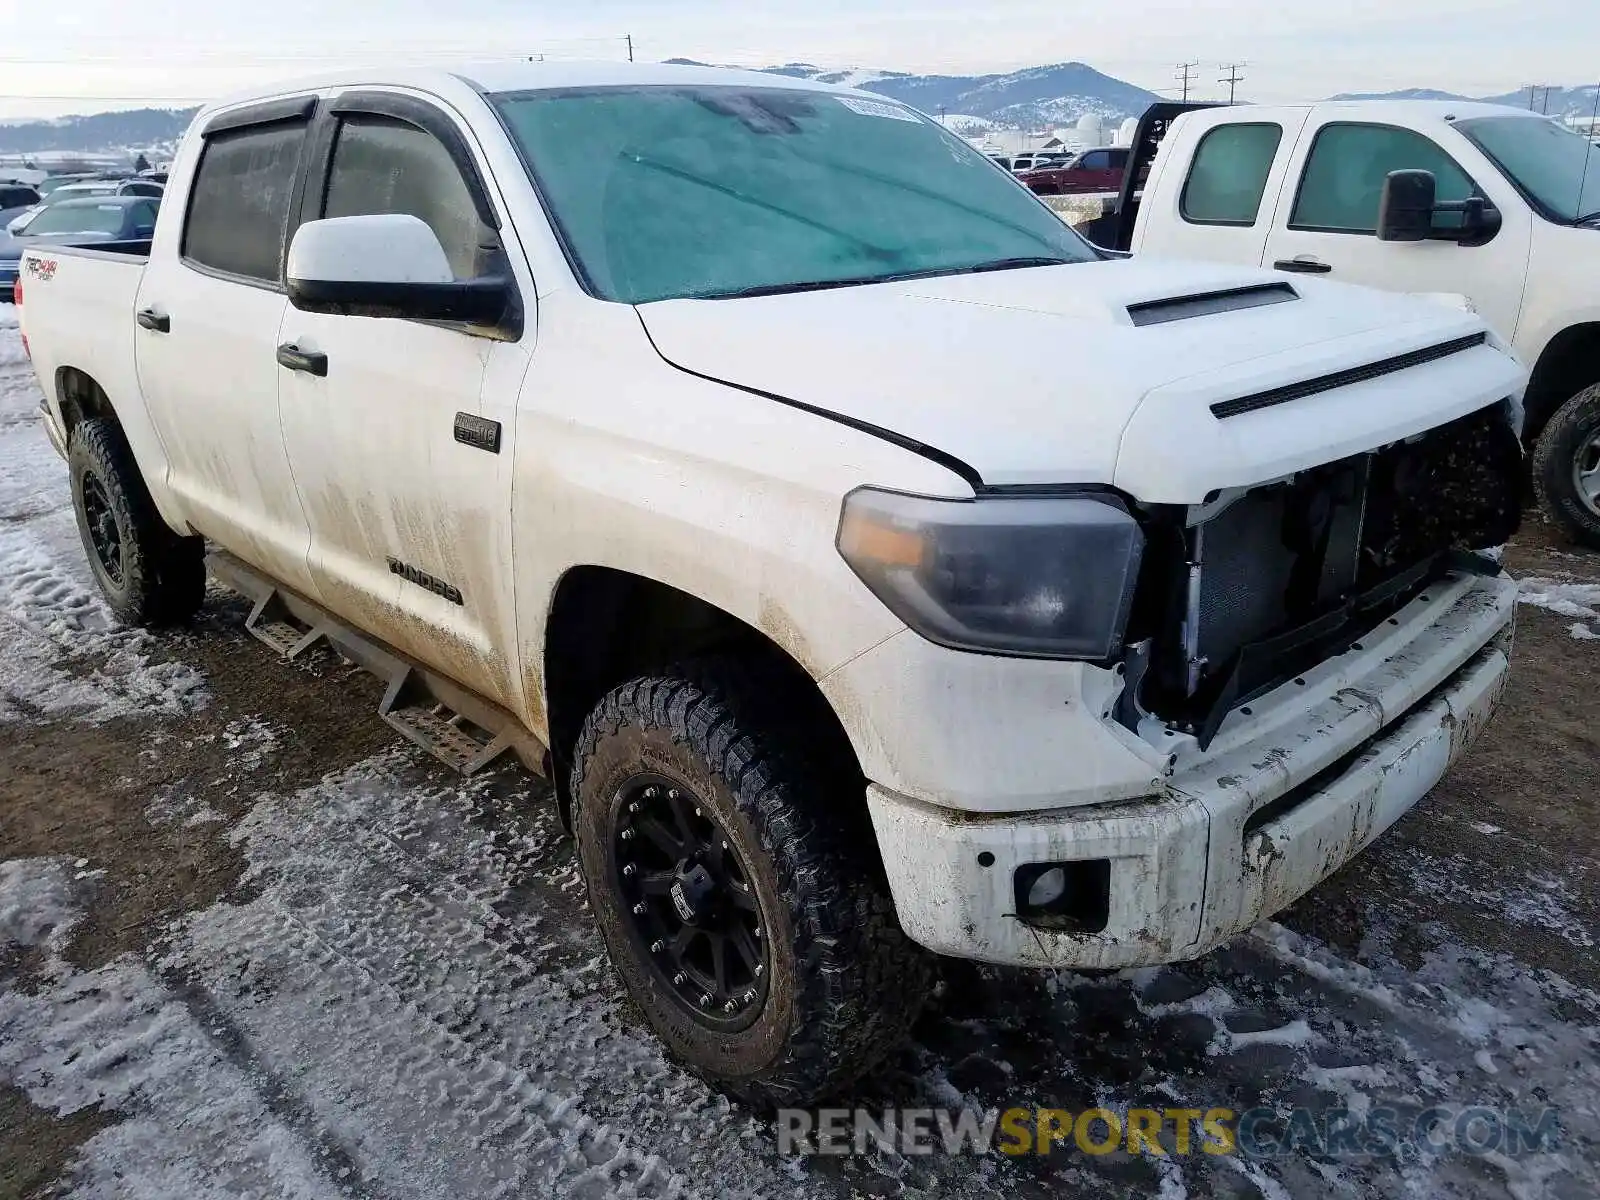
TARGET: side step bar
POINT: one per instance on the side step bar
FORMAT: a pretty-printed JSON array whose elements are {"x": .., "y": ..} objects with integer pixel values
[{"x": 455, "y": 725}]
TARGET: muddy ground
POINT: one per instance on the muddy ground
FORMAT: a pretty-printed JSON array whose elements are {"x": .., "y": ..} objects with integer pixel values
[{"x": 257, "y": 946}]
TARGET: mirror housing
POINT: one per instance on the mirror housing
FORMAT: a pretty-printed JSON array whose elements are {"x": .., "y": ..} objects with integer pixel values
[
  {"x": 1410, "y": 202},
  {"x": 388, "y": 265},
  {"x": 1405, "y": 211}
]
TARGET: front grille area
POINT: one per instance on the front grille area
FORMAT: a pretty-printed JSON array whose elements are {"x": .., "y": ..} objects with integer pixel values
[{"x": 1276, "y": 579}]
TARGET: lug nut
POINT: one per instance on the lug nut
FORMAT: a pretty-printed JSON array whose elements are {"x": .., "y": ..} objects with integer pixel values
[
  {"x": 724, "y": 845},
  {"x": 672, "y": 793},
  {"x": 651, "y": 793},
  {"x": 760, "y": 967},
  {"x": 750, "y": 996},
  {"x": 697, "y": 810},
  {"x": 627, "y": 835},
  {"x": 656, "y": 947},
  {"x": 758, "y": 931},
  {"x": 679, "y": 979},
  {"x": 705, "y": 1000},
  {"x": 634, "y": 807},
  {"x": 629, "y": 871},
  {"x": 639, "y": 909},
  {"x": 729, "y": 1007}
]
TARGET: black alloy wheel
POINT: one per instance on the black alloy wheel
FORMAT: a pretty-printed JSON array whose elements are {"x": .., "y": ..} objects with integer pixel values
[
  {"x": 105, "y": 538},
  {"x": 689, "y": 901}
]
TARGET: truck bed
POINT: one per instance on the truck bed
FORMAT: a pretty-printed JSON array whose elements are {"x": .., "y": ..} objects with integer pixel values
[{"x": 78, "y": 312}]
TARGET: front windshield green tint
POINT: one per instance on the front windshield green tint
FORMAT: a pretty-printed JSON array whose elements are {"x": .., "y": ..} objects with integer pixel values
[
  {"x": 1558, "y": 169},
  {"x": 673, "y": 192}
]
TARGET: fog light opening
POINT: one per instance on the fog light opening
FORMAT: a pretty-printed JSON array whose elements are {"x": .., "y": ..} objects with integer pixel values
[{"x": 1074, "y": 897}]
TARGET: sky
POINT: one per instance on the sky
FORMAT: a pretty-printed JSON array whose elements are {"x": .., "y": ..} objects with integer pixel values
[{"x": 61, "y": 56}]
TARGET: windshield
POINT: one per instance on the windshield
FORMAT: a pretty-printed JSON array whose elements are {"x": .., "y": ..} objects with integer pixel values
[
  {"x": 672, "y": 192},
  {"x": 1557, "y": 169},
  {"x": 73, "y": 218}
]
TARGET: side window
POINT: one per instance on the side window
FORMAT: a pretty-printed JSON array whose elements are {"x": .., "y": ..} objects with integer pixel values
[
  {"x": 1095, "y": 160},
  {"x": 1229, "y": 174},
  {"x": 381, "y": 165},
  {"x": 143, "y": 217},
  {"x": 239, "y": 204},
  {"x": 1119, "y": 160},
  {"x": 1344, "y": 175}
]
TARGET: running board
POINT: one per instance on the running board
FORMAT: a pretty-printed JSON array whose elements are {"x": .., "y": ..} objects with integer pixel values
[{"x": 458, "y": 727}]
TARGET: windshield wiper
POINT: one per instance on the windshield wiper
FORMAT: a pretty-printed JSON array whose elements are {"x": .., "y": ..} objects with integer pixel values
[
  {"x": 1012, "y": 264},
  {"x": 1588, "y": 217}
]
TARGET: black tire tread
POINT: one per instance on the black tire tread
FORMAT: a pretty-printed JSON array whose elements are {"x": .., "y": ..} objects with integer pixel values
[
  {"x": 1552, "y": 467},
  {"x": 165, "y": 575},
  {"x": 861, "y": 982}
]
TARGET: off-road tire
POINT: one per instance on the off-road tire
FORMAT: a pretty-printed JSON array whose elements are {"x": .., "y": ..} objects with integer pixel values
[
  {"x": 163, "y": 575},
  {"x": 1575, "y": 425},
  {"x": 845, "y": 983}
]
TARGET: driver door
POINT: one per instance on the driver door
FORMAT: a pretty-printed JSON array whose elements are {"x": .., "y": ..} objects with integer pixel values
[
  {"x": 410, "y": 524},
  {"x": 1326, "y": 224}
]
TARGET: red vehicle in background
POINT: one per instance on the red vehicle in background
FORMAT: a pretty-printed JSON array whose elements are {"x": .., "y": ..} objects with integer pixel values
[{"x": 1097, "y": 170}]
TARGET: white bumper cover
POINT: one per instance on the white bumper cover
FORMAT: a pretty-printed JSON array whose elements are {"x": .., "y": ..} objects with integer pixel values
[{"x": 1278, "y": 803}]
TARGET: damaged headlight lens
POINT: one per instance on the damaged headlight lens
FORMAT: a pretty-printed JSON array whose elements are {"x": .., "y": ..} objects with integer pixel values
[{"x": 1034, "y": 576}]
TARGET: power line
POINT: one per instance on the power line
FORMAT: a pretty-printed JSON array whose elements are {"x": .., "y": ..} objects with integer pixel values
[
  {"x": 1533, "y": 90},
  {"x": 1186, "y": 73},
  {"x": 1233, "y": 78}
]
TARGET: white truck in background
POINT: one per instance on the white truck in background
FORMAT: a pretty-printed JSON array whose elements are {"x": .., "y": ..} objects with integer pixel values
[
  {"x": 646, "y": 422},
  {"x": 1495, "y": 204}
]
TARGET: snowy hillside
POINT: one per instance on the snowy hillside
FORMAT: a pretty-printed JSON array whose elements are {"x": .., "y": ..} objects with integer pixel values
[
  {"x": 1034, "y": 97},
  {"x": 1558, "y": 102}
]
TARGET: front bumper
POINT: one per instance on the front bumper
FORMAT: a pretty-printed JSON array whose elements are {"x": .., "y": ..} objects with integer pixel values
[{"x": 1282, "y": 799}]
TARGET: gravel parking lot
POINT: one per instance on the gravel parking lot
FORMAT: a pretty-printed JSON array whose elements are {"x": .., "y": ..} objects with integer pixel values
[{"x": 252, "y": 944}]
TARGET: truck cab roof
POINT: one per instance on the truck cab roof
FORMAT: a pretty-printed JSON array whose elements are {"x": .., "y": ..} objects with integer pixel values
[
  {"x": 525, "y": 76},
  {"x": 1401, "y": 111}
]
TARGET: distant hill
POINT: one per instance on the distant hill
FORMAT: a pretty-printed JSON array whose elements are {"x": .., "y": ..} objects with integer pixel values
[
  {"x": 1407, "y": 94},
  {"x": 139, "y": 127},
  {"x": 1561, "y": 102},
  {"x": 1035, "y": 97}
]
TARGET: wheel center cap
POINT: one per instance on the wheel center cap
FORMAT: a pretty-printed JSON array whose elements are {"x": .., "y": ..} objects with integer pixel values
[{"x": 693, "y": 892}]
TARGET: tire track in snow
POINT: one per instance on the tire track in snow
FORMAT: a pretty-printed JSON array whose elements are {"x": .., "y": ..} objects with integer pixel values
[{"x": 378, "y": 952}]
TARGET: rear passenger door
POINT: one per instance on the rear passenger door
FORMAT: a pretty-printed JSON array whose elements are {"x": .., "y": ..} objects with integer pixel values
[
  {"x": 410, "y": 527},
  {"x": 1217, "y": 187},
  {"x": 208, "y": 312},
  {"x": 1328, "y": 219}
]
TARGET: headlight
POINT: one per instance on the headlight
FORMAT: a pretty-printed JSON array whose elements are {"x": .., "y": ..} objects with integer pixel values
[{"x": 1035, "y": 576}]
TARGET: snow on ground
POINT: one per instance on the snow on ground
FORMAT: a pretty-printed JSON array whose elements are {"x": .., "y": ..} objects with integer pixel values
[
  {"x": 59, "y": 651},
  {"x": 1567, "y": 599},
  {"x": 406, "y": 998}
]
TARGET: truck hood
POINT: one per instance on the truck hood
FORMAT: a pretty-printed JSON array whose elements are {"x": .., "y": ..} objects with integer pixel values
[{"x": 1042, "y": 375}]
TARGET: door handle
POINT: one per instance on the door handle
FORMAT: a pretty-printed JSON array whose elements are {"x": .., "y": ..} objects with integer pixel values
[
  {"x": 311, "y": 362},
  {"x": 154, "y": 321},
  {"x": 1303, "y": 264}
]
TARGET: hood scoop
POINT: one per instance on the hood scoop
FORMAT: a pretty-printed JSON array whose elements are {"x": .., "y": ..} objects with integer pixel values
[{"x": 1205, "y": 304}]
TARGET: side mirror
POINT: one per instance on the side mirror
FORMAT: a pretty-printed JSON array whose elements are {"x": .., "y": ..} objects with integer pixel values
[
  {"x": 1405, "y": 210},
  {"x": 1409, "y": 203},
  {"x": 388, "y": 265}
]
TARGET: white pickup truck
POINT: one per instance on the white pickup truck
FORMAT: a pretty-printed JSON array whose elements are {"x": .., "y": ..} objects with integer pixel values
[
  {"x": 664, "y": 426},
  {"x": 1496, "y": 204}
]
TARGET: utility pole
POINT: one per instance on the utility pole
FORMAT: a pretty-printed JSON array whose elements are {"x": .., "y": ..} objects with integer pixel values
[
  {"x": 1233, "y": 78},
  {"x": 1185, "y": 74},
  {"x": 1533, "y": 89},
  {"x": 630, "y": 47}
]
